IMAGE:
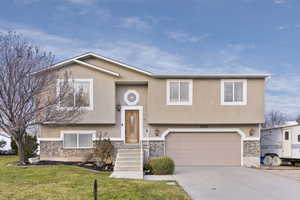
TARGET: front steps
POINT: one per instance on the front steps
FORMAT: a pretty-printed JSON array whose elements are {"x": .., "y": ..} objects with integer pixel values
[{"x": 129, "y": 163}]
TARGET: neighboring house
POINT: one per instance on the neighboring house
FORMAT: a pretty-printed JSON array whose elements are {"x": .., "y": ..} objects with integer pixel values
[
  {"x": 281, "y": 143},
  {"x": 5, "y": 137},
  {"x": 195, "y": 119}
]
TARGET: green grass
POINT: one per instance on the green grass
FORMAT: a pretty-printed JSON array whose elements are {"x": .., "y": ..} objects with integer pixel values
[{"x": 73, "y": 183}]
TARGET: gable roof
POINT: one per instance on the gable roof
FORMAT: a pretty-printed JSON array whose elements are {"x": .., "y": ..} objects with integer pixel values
[
  {"x": 115, "y": 62},
  {"x": 78, "y": 60},
  {"x": 96, "y": 67},
  {"x": 208, "y": 76}
]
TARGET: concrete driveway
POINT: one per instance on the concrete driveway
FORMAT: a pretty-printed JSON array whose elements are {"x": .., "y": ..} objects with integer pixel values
[{"x": 235, "y": 183}]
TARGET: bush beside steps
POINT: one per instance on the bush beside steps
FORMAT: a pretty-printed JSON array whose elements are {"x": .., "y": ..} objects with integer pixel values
[{"x": 160, "y": 166}]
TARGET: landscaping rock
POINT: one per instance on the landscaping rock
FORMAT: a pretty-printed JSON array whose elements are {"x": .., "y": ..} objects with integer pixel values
[{"x": 34, "y": 160}]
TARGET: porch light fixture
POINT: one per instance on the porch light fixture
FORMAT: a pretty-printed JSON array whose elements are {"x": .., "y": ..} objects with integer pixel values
[
  {"x": 118, "y": 107},
  {"x": 252, "y": 132}
]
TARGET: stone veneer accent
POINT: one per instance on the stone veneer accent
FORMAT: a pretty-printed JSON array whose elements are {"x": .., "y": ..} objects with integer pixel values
[
  {"x": 53, "y": 150},
  {"x": 157, "y": 148},
  {"x": 153, "y": 149},
  {"x": 251, "y": 154}
]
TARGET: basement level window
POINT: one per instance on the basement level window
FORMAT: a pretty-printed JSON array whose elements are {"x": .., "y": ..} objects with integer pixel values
[{"x": 78, "y": 140}]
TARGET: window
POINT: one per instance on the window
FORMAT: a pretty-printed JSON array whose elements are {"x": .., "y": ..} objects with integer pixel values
[
  {"x": 179, "y": 92},
  {"x": 234, "y": 92},
  {"x": 298, "y": 138},
  {"x": 81, "y": 95},
  {"x": 80, "y": 139},
  {"x": 286, "y": 135}
]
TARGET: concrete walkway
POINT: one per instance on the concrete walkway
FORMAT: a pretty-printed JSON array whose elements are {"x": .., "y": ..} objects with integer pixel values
[{"x": 235, "y": 183}]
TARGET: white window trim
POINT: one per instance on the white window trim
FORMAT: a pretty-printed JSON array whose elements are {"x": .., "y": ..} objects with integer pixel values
[
  {"x": 241, "y": 103},
  {"x": 137, "y": 97},
  {"x": 91, "y": 107},
  {"x": 62, "y": 134},
  {"x": 187, "y": 103}
]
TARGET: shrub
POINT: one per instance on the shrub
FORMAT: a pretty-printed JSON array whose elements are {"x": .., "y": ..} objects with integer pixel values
[
  {"x": 31, "y": 146},
  {"x": 30, "y": 149},
  {"x": 147, "y": 167},
  {"x": 162, "y": 166},
  {"x": 103, "y": 153},
  {"x": 14, "y": 146}
]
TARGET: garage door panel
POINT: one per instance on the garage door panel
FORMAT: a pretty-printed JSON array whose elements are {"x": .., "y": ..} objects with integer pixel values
[{"x": 199, "y": 149}]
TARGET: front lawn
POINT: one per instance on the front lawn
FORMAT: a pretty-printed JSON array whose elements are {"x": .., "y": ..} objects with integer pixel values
[{"x": 73, "y": 183}]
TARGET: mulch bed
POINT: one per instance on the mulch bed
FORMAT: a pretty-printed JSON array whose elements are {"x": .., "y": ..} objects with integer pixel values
[{"x": 87, "y": 165}]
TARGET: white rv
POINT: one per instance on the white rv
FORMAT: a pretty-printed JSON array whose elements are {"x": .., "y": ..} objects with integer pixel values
[
  {"x": 280, "y": 144},
  {"x": 7, "y": 139}
]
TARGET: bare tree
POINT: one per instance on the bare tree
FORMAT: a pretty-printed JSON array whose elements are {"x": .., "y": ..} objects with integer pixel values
[
  {"x": 275, "y": 118},
  {"x": 29, "y": 95}
]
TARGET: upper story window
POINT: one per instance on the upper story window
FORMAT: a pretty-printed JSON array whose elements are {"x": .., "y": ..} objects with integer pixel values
[
  {"x": 233, "y": 92},
  {"x": 179, "y": 92},
  {"x": 81, "y": 95}
]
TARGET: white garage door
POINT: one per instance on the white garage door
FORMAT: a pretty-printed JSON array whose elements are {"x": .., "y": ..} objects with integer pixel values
[{"x": 204, "y": 149}]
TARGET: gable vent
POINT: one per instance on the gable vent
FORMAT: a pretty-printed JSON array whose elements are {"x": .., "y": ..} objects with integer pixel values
[{"x": 131, "y": 97}]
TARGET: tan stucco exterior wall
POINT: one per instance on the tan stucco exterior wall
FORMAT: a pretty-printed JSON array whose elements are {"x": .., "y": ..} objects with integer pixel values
[
  {"x": 206, "y": 110},
  {"x": 103, "y": 94},
  {"x": 113, "y": 131}
]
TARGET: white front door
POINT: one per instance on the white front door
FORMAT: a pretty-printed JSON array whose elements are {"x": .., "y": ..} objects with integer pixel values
[{"x": 287, "y": 144}]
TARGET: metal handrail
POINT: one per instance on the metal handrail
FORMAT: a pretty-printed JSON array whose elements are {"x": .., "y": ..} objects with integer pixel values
[{"x": 142, "y": 157}]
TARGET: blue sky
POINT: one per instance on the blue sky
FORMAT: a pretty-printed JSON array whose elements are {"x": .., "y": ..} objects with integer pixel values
[{"x": 191, "y": 36}]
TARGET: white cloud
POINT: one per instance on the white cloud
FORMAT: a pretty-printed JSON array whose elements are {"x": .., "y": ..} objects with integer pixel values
[
  {"x": 283, "y": 94},
  {"x": 241, "y": 46},
  {"x": 280, "y": 1},
  {"x": 282, "y": 91},
  {"x": 136, "y": 23},
  {"x": 282, "y": 27},
  {"x": 287, "y": 83},
  {"x": 185, "y": 37},
  {"x": 25, "y": 1},
  {"x": 81, "y": 1},
  {"x": 100, "y": 13}
]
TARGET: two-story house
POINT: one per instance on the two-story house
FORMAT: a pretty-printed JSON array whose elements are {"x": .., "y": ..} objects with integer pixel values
[{"x": 194, "y": 119}]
